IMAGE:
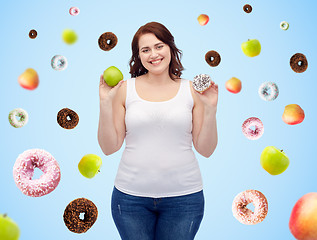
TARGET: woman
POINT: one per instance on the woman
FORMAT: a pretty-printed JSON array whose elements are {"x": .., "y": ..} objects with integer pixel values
[{"x": 158, "y": 188}]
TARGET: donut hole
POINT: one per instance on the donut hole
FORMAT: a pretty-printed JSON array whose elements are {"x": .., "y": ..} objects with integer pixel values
[
  {"x": 108, "y": 42},
  {"x": 251, "y": 207},
  {"x": 212, "y": 59},
  {"x": 37, "y": 173},
  {"x": 19, "y": 118},
  {"x": 299, "y": 63},
  {"x": 252, "y": 128},
  {"x": 60, "y": 63},
  {"x": 82, "y": 216},
  {"x": 68, "y": 118}
]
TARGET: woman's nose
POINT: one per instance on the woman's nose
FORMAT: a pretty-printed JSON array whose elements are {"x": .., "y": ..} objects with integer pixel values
[{"x": 154, "y": 54}]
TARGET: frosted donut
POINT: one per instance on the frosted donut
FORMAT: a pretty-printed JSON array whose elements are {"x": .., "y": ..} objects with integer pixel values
[
  {"x": 284, "y": 25},
  {"x": 33, "y": 34},
  {"x": 202, "y": 82},
  {"x": 72, "y": 215},
  {"x": 247, "y": 8},
  {"x": 23, "y": 171},
  {"x": 244, "y": 214},
  {"x": 212, "y": 58},
  {"x": 74, "y": 11},
  {"x": 298, "y": 62},
  {"x": 59, "y": 63},
  {"x": 22, "y": 114},
  {"x": 255, "y": 133},
  {"x": 268, "y": 91},
  {"x": 107, "y": 41},
  {"x": 67, "y": 118}
]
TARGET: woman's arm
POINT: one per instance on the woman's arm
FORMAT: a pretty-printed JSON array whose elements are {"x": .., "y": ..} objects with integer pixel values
[
  {"x": 111, "y": 129},
  {"x": 204, "y": 132}
]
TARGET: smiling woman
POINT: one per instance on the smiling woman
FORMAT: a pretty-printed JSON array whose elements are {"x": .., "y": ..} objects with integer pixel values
[
  {"x": 163, "y": 40},
  {"x": 158, "y": 190}
]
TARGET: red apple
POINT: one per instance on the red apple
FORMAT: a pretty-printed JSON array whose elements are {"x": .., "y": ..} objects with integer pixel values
[
  {"x": 203, "y": 19},
  {"x": 233, "y": 85},
  {"x": 303, "y": 219},
  {"x": 29, "y": 79},
  {"x": 293, "y": 114}
]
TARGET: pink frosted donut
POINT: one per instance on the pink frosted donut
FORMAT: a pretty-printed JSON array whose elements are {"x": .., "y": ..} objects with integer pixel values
[
  {"x": 244, "y": 214},
  {"x": 74, "y": 11},
  {"x": 23, "y": 171},
  {"x": 255, "y": 133}
]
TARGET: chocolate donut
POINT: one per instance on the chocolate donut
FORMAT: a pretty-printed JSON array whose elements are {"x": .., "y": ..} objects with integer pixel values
[
  {"x": 212, "y": 58},
  {"x": 298, "y": 62},
  {"x": 33, "y": 34},
  {"x": 64, "y": 122},
  {"x": 107, "y": 41},
  {"x": 72, "y": 215},
  {"x": 247, "y": 8}
]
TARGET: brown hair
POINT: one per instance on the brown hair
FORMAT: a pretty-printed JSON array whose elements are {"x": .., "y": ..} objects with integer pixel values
[{"x": 163, "y": 34}]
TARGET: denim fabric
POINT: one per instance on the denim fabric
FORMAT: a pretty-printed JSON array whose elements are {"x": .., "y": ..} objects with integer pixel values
[{"x": 169, "y": 218}]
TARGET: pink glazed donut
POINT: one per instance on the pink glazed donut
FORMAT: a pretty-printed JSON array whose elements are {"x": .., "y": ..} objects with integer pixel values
[
  {"x": 244, "y": 214},
  {"x": 23, "y": 171},
  {"x": 255, "y": 133}
]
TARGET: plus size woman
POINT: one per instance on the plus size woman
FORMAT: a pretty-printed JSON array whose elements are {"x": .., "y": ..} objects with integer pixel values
[{"x": 158, "y": 190}]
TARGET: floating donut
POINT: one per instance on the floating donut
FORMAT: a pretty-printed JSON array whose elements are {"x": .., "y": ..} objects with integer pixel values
[
  {"x": 244, "y": 214},
  {"x": 255, "y": 133},
  {"x": 74, "y": 11},
  {"x": 72, "y": 215},
  {"x": 298, "y": 62},
  {"x": 107, "y": 41},
  {"x": 23, "y": 171},
  {"x": 202, "y": 82},
  {"x": 212, "y": 58},
  {"x": 67, "y": 118},
  {"x": 22, "y": 114},
  {"x": 247, "y": 8},
  {"x": 284, "y": 25},
  {"x": 59, "y": 63},
  {"x": 268, "y": 91},
  {"x": 33, "y": 34}
]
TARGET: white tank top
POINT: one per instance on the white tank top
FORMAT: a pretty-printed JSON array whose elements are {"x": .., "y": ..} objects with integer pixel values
[{"x": 158, "y": 159}]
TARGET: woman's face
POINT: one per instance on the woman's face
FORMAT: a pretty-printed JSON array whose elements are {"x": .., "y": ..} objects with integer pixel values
[{"x": 155, "y": 55}]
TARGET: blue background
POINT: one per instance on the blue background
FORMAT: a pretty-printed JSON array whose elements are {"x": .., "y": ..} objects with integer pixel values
[{"x": 234, "y": 166}]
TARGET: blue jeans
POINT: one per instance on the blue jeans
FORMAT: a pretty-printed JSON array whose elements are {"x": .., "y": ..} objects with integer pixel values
[{"x": 169, "y": 218}]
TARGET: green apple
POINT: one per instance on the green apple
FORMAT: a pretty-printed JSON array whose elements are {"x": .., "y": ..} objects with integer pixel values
[
  {"x": 251, "y": 48},
  {"x": 9, "y": 230},
  {"x": 112, "y": 76},
  {"x": 69, "y": 36},
  {"x": 274, "y": 161},
  {"x": 89, "y": 165}
]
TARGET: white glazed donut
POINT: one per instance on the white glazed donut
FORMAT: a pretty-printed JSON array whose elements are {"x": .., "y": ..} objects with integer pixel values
[
  {"x": 59, "y": 62},
  {"x": 23, "y": 171},
  {"x": 255, "y": 133},
  {"x": 22, "y": 114},
  {"x": 244, "y": 214},
  {"x": 284, "y": 25},
  {"x": 268, "y": 91},
  {"x": 202, "y": 82}
]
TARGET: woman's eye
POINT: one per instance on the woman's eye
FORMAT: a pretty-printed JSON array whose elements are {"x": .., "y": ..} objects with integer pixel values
[
  {"x": 160, "y": 46},
  {"x": 145, "y": 50}
]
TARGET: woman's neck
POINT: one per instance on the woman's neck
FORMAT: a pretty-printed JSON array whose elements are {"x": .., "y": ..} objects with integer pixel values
[{"x": 158, "y": 79}]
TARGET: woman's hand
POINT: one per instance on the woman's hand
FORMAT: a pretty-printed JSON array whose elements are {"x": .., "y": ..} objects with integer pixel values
[
  {"x": 210, "y": 96},
  {"x": 107, "y": 92}
]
